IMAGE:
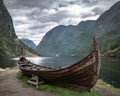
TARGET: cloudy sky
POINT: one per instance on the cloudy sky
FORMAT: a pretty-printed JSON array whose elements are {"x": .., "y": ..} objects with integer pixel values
[{"x": 33, "y": 18}]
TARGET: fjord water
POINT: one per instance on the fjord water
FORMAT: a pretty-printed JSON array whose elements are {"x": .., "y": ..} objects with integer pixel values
[
  {"x": 7, "y": 62},
  {"x": 110, "y": 67},
  {"x": 110, "y": 71}
]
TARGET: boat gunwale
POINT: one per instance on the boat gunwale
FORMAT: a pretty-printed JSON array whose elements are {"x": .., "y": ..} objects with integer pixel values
[{"x": 62, "y": 69}]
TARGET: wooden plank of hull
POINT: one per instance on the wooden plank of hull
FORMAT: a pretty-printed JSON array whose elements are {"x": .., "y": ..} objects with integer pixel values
[
  {"x": 83, "y": 78},
  {"x": 65, "y": 71}
]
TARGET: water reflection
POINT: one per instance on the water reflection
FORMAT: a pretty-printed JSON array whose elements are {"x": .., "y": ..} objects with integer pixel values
[
  {"x": 110, "y": 71},
  {"x": 7, "y": 62},
  {"x": 54, "y": 62}
]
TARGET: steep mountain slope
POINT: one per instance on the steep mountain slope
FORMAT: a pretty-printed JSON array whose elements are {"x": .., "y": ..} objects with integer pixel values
[
  {"x": 76, "y": 40},
  {"x": 28, "y": 43},
  {"x": 65, "y": 40},
  {"x": 9, "y": 43},
  {"x": 109, "y": 26},
  {"x": 6, "y": 24}
]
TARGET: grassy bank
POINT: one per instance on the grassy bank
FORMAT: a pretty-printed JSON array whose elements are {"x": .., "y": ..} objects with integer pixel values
[
  {"x": 108, "y": 87},
  {"x": 61, "y": 91},
  {"x": 67, "y": 92},
  {"x": 1, "y": 79}
]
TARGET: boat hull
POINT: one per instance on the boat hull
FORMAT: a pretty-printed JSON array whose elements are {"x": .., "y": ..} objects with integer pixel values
[{"x": 81, "y": 76}]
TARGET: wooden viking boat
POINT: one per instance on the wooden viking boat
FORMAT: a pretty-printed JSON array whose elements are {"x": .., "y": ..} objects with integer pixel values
[{"x": 81, "y": 76}]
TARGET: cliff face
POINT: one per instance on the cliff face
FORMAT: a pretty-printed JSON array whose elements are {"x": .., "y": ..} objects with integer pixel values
[
  {"x": 6, "y": 23},
  {"x": 76, "y": 40},
  {"x": 9, "y": 43}
]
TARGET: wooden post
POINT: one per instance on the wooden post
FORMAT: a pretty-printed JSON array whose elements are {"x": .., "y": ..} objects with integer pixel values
[
  {"x": 35, "y": 81},
  {"x": 19, "y": 74},
  {"x": 95, "y": 43}
]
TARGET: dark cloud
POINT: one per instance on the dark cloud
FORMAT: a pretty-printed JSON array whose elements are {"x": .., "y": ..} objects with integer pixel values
[
  {"x": 97, "y": 10},
  {"x": 42, "y": 4},
  {"x": 56, "y": 9},
  {"x": 18, "y": 22},
  {"x": 72, "y": 2},
  {"x": 40, "y": 26},
  {"x": 62, "y": 5},
  {"x": 87, "y": 2},
  {"x": 86, "y": 15},
  {"x": 57, "y": 17}
]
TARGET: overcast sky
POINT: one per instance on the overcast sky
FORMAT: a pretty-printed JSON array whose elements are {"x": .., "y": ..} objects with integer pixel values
[{"x": 33, "y": 18}]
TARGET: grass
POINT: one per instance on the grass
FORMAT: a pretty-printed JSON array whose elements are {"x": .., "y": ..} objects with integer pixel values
[
  {"x": 110, "y": 88},
  {"x": 1, "y": 79},
  {"x": 67, "y": 92},
  {"x": 61, "y": 91}
]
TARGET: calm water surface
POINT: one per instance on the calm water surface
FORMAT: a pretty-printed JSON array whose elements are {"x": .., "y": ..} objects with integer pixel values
[
  {"x": 7, "y": 62},
  {"x": 110, "y": 71},
  {"x": 110, "y": 67}
]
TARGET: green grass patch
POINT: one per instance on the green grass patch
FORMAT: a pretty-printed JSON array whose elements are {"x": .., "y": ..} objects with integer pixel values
[
  {"x": 1, "y": 79},
  {"x": 102, "y": 84},
  {"x": 61, "y": 91},
  {"x": 66, "y": 92}
]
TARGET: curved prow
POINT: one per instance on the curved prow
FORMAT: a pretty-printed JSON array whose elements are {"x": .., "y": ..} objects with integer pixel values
[
  {"x": 96, "y": 48},
  {"x": 95, "y": 43}
]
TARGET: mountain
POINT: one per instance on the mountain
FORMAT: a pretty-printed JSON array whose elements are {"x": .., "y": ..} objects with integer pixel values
[
  {"x": 28, "y": 43},
  {"x": 108, "y": 25},
  {"x": 6, "y": 23},
  {"x": 76, "y": 40},
  {"x": 9, "y": 43},
  {"x": 61, "y": 40}
]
